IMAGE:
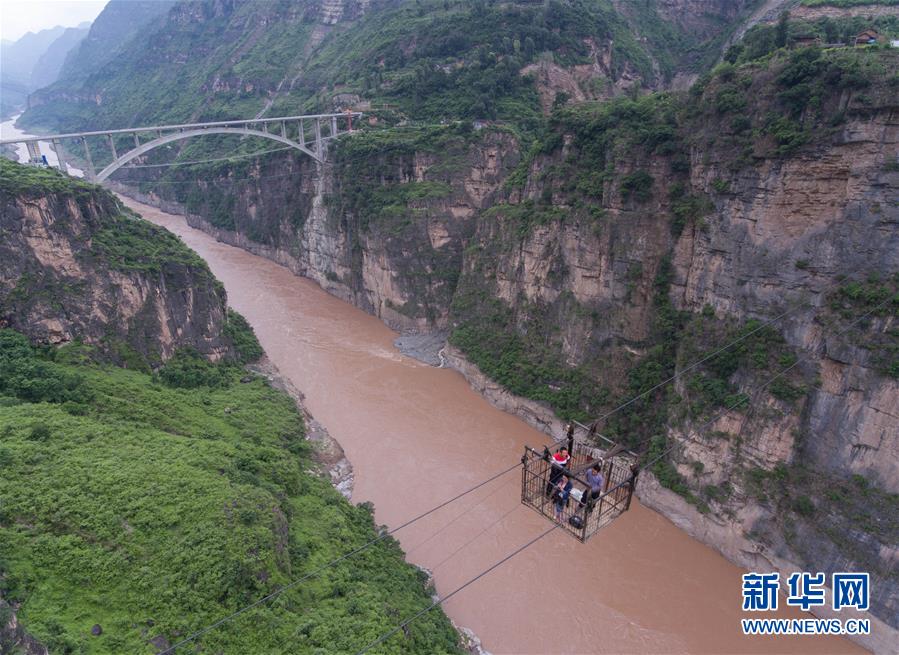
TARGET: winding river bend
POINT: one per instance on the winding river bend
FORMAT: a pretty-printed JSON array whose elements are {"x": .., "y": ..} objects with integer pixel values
[{"x": 417, "y": 435}]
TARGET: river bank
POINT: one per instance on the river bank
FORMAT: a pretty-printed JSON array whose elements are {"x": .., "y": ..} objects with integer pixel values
[
  {"x": 328, "y": 452},
  {"x": 642, "y": 586}
]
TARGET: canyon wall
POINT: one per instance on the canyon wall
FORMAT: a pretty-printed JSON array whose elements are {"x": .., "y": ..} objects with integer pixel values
[{"x": 76, "y": 265}]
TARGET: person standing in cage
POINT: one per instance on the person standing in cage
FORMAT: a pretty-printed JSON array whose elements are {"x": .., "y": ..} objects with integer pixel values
[
  {"x": 561, "y": 495},
  {"x": 595, "y": 480},
  {"x": 559, "y": 462}
]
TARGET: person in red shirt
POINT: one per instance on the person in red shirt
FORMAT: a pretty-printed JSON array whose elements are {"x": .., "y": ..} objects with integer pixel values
[
  {"x": 559, "y": 462},
  {"x": 561, "y": 458}
]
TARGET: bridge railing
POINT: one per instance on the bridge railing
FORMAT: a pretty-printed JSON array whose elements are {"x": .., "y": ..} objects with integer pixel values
[
  {"x": 311, "y": 131},
  {"x": 183, "y": 126}
]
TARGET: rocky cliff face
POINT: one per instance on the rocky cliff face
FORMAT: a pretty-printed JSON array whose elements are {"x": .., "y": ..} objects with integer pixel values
[
  {"x": 13, "y": 638},
  {"x": 359, "y": 226},
  {"x": 76, "y": 265}
]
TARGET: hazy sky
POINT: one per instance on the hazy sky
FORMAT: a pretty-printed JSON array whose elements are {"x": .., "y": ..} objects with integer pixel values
[{"x": 20, "y": 16}]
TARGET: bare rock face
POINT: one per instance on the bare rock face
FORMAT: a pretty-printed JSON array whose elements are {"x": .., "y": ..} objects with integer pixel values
[
  {"x": 781, "y": 235},
  {"x": 361, "y": 258},
  {"x": 77, "y": 266},
  {"x": 13, "y": 638}
]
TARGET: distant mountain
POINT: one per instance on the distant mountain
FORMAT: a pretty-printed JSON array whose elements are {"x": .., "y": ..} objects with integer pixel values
[
  {"x": 19, "y": 57},
  {"x": 47, "y": 67},
  {"x": 34, "y": 61},
  {"x": 13, "y": 95},
  {"x": 118, "y": 23},
  {"x": 431, "y": 59},
  {"x": 17, "y": 61}
]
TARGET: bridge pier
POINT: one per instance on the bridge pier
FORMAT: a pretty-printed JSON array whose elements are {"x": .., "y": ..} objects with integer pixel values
[
  {"x": 318, "y": 138},
  {"x": 90, "y": 162},
  {"x": 59, "y": 158}
]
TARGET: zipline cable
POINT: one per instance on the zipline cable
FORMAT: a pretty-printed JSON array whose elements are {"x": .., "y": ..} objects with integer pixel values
[
  {"x": 646, "y": 465},
  {"x": 712, "y": 355},
  {"x": 467, "y": 510},
  {"x": 440, "y": 506},
  {"x": 314, "y": 572},
  {"x": 455, "y": 591},
  {"x": 476, "y": 537},
  {"x": 464, "y": 493},
  {"x": 759, "y": 389}
]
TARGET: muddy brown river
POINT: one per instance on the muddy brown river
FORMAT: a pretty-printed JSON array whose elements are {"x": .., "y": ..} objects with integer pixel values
[{"x": 417, "y": 435}]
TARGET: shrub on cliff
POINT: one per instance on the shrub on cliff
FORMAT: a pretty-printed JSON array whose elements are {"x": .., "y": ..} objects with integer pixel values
[
  {"x": 243, "y": 337},
  {"x": 26, "y": 375},
  {"x": 188, "y": 369}
]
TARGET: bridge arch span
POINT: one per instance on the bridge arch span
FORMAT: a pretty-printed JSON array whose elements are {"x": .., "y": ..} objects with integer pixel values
[{"x": 177, "y": 136}]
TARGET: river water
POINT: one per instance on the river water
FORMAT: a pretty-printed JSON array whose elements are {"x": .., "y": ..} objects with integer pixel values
[
  {"x": 8, "y": 130},
  {"x": 417, "y": 435}
]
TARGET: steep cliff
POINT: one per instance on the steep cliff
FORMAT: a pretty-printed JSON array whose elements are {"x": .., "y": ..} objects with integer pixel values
[
  {"x": 390, "y": 204},
  {"x": 75, "y": 265},
  {"x": 648, "y": 233}
]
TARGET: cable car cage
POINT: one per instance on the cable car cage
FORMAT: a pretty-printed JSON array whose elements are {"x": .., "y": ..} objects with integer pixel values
[{"x": 582, "y": 516}]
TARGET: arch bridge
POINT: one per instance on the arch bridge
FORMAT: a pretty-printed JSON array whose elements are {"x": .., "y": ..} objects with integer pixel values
[{"x": 308, "y": 134}]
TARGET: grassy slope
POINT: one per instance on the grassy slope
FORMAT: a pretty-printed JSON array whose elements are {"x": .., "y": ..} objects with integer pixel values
[{"x": 155, "y": 510}]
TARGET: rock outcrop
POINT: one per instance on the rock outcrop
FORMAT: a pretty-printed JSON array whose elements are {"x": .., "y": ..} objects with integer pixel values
[{"x": 76, "y": 265}]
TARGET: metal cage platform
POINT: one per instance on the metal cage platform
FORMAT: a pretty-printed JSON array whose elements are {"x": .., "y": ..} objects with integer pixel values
[{"x": 582, "y": 515}]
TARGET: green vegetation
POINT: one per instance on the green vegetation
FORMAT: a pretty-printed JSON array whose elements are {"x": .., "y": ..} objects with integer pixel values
[
  {"x": 802, "y": 496},
  {"x": 763, "y": 353},
  {"x": 243, "y": 337},
  {"x": 153, "y": 510},
  {"x": 668, "y": 476},
  {"x": 526, "y": 214},
  {"x": 745, "y": 110},
  {"x": 374, "y": 195},
  {"x": 188, "y": 369},
  {"x": 427, "y": 60},
  {"x": 761, "y": 40},
  {"x": 647, "y": 418},
  {"x": 778, "y": 102},
  {"x": 37, "y": 181},
  {"x": 33, "y": 379},
  {"x": 127, "y": 242},
  {"x": 604, "y": 135},
  {"x": 490, "y": 339},
  {"x": 873, "y": 305},
  {"x": 637, "y": 185},
  {"x": 686, "y": 208}
]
